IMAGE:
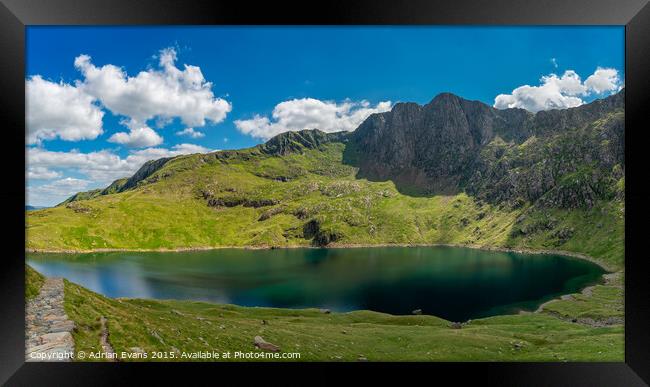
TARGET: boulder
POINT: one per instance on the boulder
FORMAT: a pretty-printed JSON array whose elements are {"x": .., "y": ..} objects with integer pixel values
[{"x": 262, "y": 344}]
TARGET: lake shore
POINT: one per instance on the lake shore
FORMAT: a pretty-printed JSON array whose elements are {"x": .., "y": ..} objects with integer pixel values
[{"x": 596, "y": 261}]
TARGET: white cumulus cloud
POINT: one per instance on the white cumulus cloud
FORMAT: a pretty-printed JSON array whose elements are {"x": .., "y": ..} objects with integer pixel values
[
  {"x": 137, "y": 138},
  {"x": 60, "y": 110},
  {"x": 190, "y": 132},
  {"x": 559, "y": 92},
  {"x": 74, "y": 112},
  {"x": 163, "y": 93},
  {"x": 183, "y": 149},
  {"x": 603, "y": 80},
  {"x": 42, "y": 173},
  {"x": 310, "y": 113}
]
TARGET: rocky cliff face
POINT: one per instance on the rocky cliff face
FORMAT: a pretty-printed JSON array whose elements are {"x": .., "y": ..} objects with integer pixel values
[
  {"x": 570, "y": 157},
  {"x": 145, "y": 171},
  {"x": 429, "y": 148},
  {"x": 567, "y": 168}
]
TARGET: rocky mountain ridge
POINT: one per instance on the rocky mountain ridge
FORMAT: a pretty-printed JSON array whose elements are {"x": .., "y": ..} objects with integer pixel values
[
  {"x": 564, "y": 158},
  {"x": 452, "y": 144}
]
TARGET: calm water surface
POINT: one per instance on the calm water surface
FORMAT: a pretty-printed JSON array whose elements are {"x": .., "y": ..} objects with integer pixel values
[{"x": 453, "y": 283}]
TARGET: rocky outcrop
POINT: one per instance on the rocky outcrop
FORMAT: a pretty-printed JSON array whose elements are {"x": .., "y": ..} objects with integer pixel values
[
  {"x": 319, "y": 236},
  {"x": 298, "y": 142},
  {"x": 262, "y": 344},
  {"x": 79, "y": 209},
  {"x": 48, "y": 330},
  {"x": 147, "y": 169},
  {"x": 237, "y": 201},
  {"x": 234, "y": 201},
  {"x": 116, "y": 186},
  {"x": 270, "y": 213}
]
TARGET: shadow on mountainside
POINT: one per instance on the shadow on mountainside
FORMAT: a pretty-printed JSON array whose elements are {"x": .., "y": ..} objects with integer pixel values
[{"x": 408, "y": 181}]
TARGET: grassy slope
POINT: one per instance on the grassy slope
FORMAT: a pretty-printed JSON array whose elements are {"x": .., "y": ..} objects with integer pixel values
[
  {"x": 197, "y": 326},
  {"x": 33, "y": 282},
  {"x": 604, "y": 302},
  {"x": 600, "y": 302},
  {"x": 171, "y": 213}
]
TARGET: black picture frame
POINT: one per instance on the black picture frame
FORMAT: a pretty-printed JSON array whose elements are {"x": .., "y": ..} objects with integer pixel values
[{"x": 15, "y": 15}]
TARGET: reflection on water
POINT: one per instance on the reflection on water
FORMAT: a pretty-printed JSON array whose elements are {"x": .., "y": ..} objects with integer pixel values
[{"x": 453, "y": 283}]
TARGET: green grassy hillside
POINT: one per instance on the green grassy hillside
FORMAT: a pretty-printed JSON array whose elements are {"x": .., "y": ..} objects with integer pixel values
[
  {"x": 311, "y": 197},
  {"x": 186, "y": 326}
]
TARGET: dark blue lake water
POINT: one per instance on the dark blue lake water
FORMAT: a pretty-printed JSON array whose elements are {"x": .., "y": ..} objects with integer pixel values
[{"x": 453, "y": 283}]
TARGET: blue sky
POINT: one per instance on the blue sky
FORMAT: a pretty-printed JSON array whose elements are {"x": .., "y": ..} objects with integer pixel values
[{"x": 332, "y": 77}]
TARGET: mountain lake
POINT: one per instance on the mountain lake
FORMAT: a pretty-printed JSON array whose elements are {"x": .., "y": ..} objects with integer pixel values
[{"x": 454, "y": 283}]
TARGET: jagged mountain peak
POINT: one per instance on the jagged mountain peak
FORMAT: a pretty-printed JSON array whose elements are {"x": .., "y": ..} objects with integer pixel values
[{"x": 446, "y": 97}]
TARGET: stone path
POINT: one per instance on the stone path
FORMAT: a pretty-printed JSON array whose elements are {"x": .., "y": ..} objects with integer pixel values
[
  {"x": 48, "y": 330},
  {"x": 103, "y": 340}
]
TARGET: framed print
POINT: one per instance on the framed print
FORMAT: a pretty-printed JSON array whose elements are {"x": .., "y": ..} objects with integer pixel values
[{"x": 380, "y": 187}]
